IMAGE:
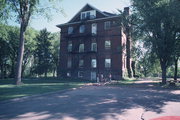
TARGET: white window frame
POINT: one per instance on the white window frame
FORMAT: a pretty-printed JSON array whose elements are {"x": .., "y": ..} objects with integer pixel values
[
  {"x": 69, "y": 46},
  {"x": 82, "y": 29},
  {"x": 107, "y": 44},
  {"x": 81, "y": 63},
  {"x": 92, "y": 76},
  {"x": 94, "y": 28},
  {"x": 80, "y": 74},
  {"x": 69, "y": 63},
  {"x": 107, "y": 25},
  {"x": 91, "y": 14},
  {"x": 70, "y": 30},
  {"x": 107, "y": 63},
  {"x": 81, "y": 48},
  {"x": 94, "y": 45},
  {"x": 93, "y": 63},
  {"x": 68, "y": 74}
]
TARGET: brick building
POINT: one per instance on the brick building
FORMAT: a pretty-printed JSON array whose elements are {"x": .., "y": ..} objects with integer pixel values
[{"x": 92, "y": 44}]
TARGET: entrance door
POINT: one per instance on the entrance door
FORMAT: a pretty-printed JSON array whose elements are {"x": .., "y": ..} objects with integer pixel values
[{"x": 93, "y": 75}]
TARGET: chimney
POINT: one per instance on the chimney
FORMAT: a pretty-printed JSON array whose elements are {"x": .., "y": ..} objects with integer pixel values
[{"x": 126, "y": 11}]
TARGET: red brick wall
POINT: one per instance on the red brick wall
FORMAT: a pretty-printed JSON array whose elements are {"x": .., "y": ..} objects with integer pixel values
[{"x": 115, "y": 53}]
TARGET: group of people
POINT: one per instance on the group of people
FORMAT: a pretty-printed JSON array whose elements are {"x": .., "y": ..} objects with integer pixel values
[{"x": 102, "y": 78}]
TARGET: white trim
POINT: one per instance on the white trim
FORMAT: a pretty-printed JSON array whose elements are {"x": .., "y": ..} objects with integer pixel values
[
  {"x": 87, "y": 21},
  {"x": 84, "y": 8}
]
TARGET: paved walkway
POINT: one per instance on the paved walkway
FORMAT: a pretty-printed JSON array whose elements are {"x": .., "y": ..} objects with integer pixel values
[{"x": 138, "y": 102}]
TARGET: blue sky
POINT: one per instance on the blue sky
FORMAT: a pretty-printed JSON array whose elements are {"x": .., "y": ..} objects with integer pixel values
[{"x": 71, "y": 7}]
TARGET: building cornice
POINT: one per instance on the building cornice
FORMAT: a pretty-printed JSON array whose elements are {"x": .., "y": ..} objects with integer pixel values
[{"x": 65, "y": 24}]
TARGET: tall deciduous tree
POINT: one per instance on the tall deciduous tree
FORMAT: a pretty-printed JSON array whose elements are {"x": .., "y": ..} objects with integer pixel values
[
  {"x": 24, "y": 9},
  {"x": 176, "y": 55},
  {"x": 160, "y": 22}
]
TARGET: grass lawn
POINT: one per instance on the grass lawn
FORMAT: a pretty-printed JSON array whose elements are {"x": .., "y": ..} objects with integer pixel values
[{"x": 35, "y": 86}]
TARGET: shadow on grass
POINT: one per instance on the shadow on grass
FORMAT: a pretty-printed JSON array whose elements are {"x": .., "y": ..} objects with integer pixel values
[{"x": 36, "y": 86}]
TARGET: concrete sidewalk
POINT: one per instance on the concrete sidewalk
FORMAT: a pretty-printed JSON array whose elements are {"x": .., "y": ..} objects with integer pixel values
[{"x": 96, "y": 103}]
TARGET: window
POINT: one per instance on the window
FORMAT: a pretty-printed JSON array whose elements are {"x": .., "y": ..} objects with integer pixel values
[
  {"x": 107, "y": 44},
  {"x": 94, "y": 29},
  {"x": 82, "y": 29},
  {"x": 88, "y": 15},
  {"x": 81, "y": 63},
  {"x": 80, "y": 74},
  {"x": 107, "y": 25},
  {"x": 93, "y": 75},
  {"x": 107, "y": 63},
  {"x": 94, "y": 47},
  {"x": 68, "y": 74},
  {"x": 81, "y": 48},
  {"x": 70, "y": 30},
  {"x": 93, "y": 63},
  {"x": 69, "y": 46},
  {"x": 83, "y": 15},
  {"x": 69, "y": 63}
]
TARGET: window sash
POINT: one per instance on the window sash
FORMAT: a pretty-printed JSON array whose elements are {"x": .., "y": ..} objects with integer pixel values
[
  {"x": 81, "y": 48},
  {"x": 94, "y": 28},
  {"x": 107, "y": 44},
  {"x": 107, "y": 63},
  {"x": 94, "y": 47},
  {"x": 81, "y": 63},
  {"x": 69, "y": 47},
  {"x": 70, "y": 30},
  {"x": 93, "y": 63},
  {"x": 107, "y": 25},
  {"x": 88, "y": 14},
  {"x": 82, "y": 29},
  {"x": 69, "y": 63},
  {"x": 80, "y": 74}
]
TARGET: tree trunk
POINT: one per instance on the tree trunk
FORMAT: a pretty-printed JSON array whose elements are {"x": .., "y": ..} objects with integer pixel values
[
  {"x": 45, "y": 73},
  {"x": 54, "y": 71},
  {"x": 12, "y": 70},
  {"x": 20, "y": 55},
  {"x": 163, "y": 68},
  {"x": 128, "y": 58},
  {"x": 133, "y": 68},
  {"x": 2, "y": 71},
  {"x": 175, "y": 69}
]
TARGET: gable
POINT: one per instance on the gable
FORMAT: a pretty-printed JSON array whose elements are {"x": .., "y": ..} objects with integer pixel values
[{"x": 87, "y": 7}]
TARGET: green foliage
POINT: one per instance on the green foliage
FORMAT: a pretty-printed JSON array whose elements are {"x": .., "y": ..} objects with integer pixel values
[
  {"x": 43, "y": 55},
  {"x": 9, "y": 42},
  {"x": 148, "y": 65},
  {"x": 8, "y": 49},
  {"x": 159, "y": 23}
]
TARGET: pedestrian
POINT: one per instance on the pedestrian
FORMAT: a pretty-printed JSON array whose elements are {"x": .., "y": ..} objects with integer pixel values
[
  {"x": 110, "y": 77},
  {"x": 98, "y": 78},
  {"x": 102, "y": 78}
]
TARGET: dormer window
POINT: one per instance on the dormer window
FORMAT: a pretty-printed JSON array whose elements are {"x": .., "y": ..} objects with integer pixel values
[{"x": 88, "y": 15}]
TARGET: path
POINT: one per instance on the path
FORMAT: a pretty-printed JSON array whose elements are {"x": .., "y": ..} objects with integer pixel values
[{"x": 96, "y": 103}]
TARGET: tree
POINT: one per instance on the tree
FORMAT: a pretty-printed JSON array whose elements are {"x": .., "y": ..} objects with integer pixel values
[
  {"x": 24, "y": 9},
  {"x": 125, "y": 22},
  {"x": 55, "y": 52},
  {"x": 176, "y": 55},
  {"x": 4, "y": 49},
  {"x": 160, "y": 22},
  {"x": 43, "y": 53},
  {"x": 30, "y": 48},
  {"x": 13, "y": 39}
]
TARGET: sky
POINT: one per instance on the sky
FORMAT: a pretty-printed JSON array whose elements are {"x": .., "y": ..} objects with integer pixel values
[{"x": 71, "y": 7}]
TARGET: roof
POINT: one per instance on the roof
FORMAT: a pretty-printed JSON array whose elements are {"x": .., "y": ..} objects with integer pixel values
[{"x": 105, "y": 14}]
